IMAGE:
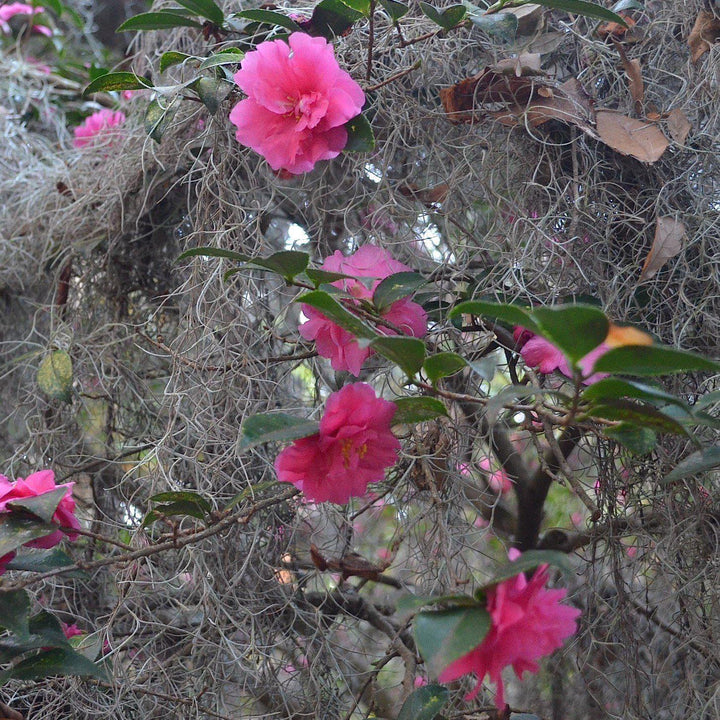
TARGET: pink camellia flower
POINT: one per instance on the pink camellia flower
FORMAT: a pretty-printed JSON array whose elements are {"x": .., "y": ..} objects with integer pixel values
[
  {"x": 298, "y": 101},
  {"x": 527, "y": 623},
  {"x": 97, "y": 126},
  {"x": 497, "y": 479},
  {"x": 13, "y": 9},
  {"x": 37, "y": 484},
  {"x": 70, "y": 630},
  {"x": 336, "y": 343},
  {"x": 4, "y": 560},
  {"x": 352, "y": 448}
]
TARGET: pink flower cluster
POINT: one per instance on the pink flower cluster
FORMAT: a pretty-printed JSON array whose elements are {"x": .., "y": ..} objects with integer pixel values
[
  {"x": 298, "y": 101},
  {"x": 97, "y": 126},
  {"x": 352, "y": 448},
  {"x": 528, "y": 623},
  {"x": 14, "y": 9},
  {"x": 338, "y": 344},
  {"x": 35, "y": 485}
]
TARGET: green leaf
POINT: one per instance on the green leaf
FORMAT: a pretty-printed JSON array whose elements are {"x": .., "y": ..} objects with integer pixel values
[
  {"x": 707, "y": 400},
  {"x": 332, "y": 310},
  {"x": 42, "y": 561},
  {"x": 361, "y": 6},
  {"x": 447, "y": 18},
  {"x": 181, "y": 508},
  {"x": 394, "y": 9},
  {"x": 638, "y": 440},
  {"x": 396, "y": 287},
  {"x": 580, "y": 7},
  {"x": 627, "y": 5},
  {"x": 443, "y": 365},
  {"x": 42, "y": 506},
  {"x": 331, "y": 18},
  {"x": 223, "y": 58},
  {"x": 46, "y": 626},
  {"x": 407, "y": 353},
  {"x": 510, "y": 314},
  {"x": 529, "y": 560},
  {"x": 287, "y": 263},
  {"x": 15, "y": 531},
  {"x": 274, "y": 427},
  {"x": 58, "y": 661},
  {"x": 212, "y": 91},
  {"x": 205, "y": 8},
  {"x": 322, "y": 277},
  {"x": 111, "y": 82},
  {"x": 500, "y": 25},
  {"x": 157, "y": 119},
  {"x": 360, "y": 135},
  {"x": 443, "y": 636},
  {"x": 409, "y": 603},
  {"x": 642, "y": 415},
  {"x": 270, "y": 18},
  {"x": 183, "y": 496},
  {"x": 615, "y": 388},
  {"x": 424, "y": 703},
  {"x": 411, "y": 410},
  {"x": 250, "y": 492},
  {"x": 14, "y": 611},
  {"x": 170, "y": 58},
  {"x": 161, "y": 20},
  {"x": 651, "y": 360},
  {"x": 55, "y": 5},
  {"x": 485, "y": 367},
  {"x": 55, "y": 376},
  {"x": 574, "y": 329},
  {"x": 699, "y": 462}
]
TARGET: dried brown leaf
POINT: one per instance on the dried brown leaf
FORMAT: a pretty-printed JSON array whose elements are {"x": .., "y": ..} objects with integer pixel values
[
  {"x": 640, "y": 139},
  {"x": 705, "y": 32},
  {"x": 633, "y": 71},
  {"x": 525, "y": 64},
  {"x": 668, "y": 242},
  {"x": 614, "y": 29},
  {"x": 528, "y": 17},
  {"x": 427, "y": 196},
  {"x": 679, "y": 126}
]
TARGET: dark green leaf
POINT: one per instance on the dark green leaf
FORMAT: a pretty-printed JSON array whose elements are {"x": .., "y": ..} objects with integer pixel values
[
  {"x": 205, "y": 8},
  {"x": 212, "y": 91},
  {"x": 161, "y": 20},
  {"x": 447, "y": 18},
  {"x": 42, "y": 506},
  {"x": 408, "y": 603},
  {"x": 444, "y": 636},
  {"x": 14, "y": 611},
  {"x": 627, "y": 5},
  {"x": 332, "y": 310},
  {"x": 574, "y": 329},
  {"x": 322, "y": 277},
  {"x": 157, "y": 119},
  {"x": 615, "y": 388},
  {"x": 642, "y": 415},
  {"x": 699, "y": 462},
  {"x": 41, "y": 561},
  {"x": 274, "y": 427},
  {"x": 287, "y": 263},
  {"x": 580, "y": 7},
  {"x": 12, "y": 648},
  {"x": 58, "y": 661},
  {"x": 442, "y": 365},
  {"x": 396, "y": 287},
  {"x": 46, "y": 626},
  {"x": 171, "y": 58},
  {"x": 707, "y": 400},
  {"x": 500, "y": 25},
  {"x": 424, "y": 703},
  {"x": 510, "y": 314},
  {"x": 117, "y": 81},
  {"x": 395, "y": 9},
  {"x": 183, "y": 495},
  {"x": 223, "y": 58},
  {"x": 407, "y": 353},
  {"x": 55, "y": 5},
  {"x": 638, "y": 440},
  {"x": 96, "y": 72},
  {"x": 651, "y": 360},
  {"x": 15, "y": 531},
  {"x": 55, "y": 376},
  {"x": 331, "y": 18},
  {"x": 270, "y": 18},
  {"x": 361, "y": 6},
  {"x": 360, "y": 135},
  {"x": 411, "y": 410},
  {"x": 183, "y": 508},
  {"x": 529, "y": 560}
]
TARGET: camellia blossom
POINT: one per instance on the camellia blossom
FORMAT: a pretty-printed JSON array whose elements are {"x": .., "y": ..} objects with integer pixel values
[
  {"x": 497, "y": 479},
  {"x": 528, "y": 622},
  {"x": 298, "y": 101},
  {"x": 35, "y": 485},
  {"x": 352, "y": 448},
  {"x": 13, "y": 9},
  {"x": 97, "y": 126},
  {"x": 336, "y": 343}
]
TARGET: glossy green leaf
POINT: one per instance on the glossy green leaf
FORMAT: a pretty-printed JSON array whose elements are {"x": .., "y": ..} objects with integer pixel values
[
  {"x": 42, "y": 506},
  {"x": 332, "y": 18},
  {"x": 157, "y": 119},
  {"x": 161, "y": 20},
  {"x": 705, "y": 401},
  {"x": 503, "y": 26},
  {"x": 695, "y": 464},
  {"x": 574, "y": 329},
  {"x": 443, "y": 365},
  {"x": 58, "y": 661},
  {"x": 638, "y": 414},
  {"x": 443, "y": 636},
  {"x": 274, "y": 427},
  {"x": 323, "y": 277},
  {"x": 627, "y": 5},
  {"x": 13, "y": 648},
  {"x": 637, "y": 439},
  {"x": 510, "y": 314},
  {"x": 183, "y": 496},
  {"x": 615, "y": 388},
  {"x": 361, "y": 6},
  {"x": 448, "y": 17},
  {"x": 212, "y": 91},
  {"x": 205, "y": 8},
  {"x": 406, "y": 352},
  {"x": 580, "y": 7},
  {"x": 287, "y": 263},
  {"x": 270, "y": 17},
  {"x": 334, "y": 311},
  {"x": 170, "y": 58},
  {"x": 529, "y": 560},
  {"x": 223, "y": 58},
  {"x": 15, "y": 531},
  {"x": 14, "y": 611},
  {"x": 360, "y": 135},
  {"x": 55, "y": 376},
  {"x": 46, "y": 626},
  {"x": 424, "y": 703},
  {"x": 43, "y": 560},
  {"x": 651, "y": 360},
  {"x": 111, "y": 82},
  {"x": 396, "y": 287},
  {"x": 411, "y": 410},
  {"x": 394, "y": 9},
  {"x": 181, "y": 508}
]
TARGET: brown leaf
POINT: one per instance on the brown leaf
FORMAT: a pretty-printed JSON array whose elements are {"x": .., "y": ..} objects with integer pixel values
[
  {"x": 640, "y": 139},
  {"x": 633, "y": 71},
  {"x": 679, "y": 126},
  {"x": 668, "y": 242},
  {"x": 705, "y": 32},
  {"x": 615, "y": 29},
  {"x": 528, "y": 17},
  {"x": 427, "y": 196},
  {"x": 525, "y": 64}
]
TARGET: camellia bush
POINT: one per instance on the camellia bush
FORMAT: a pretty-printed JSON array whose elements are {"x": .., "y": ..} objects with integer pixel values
[{"x": 359, "y": 360}]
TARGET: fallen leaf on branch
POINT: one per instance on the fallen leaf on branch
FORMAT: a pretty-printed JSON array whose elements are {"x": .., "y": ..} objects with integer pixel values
[
  {"x": 640, "y": 139},
  {"x": 679, "y": 126},
  {"x": 669, "y": 237},
  {"x": 705, "y": 32},
  {"x": 427, "y": 196}
]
